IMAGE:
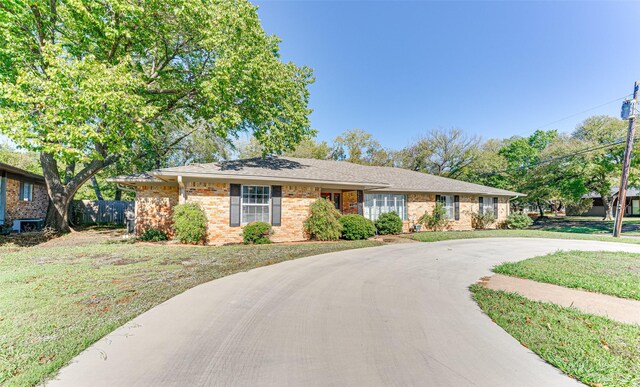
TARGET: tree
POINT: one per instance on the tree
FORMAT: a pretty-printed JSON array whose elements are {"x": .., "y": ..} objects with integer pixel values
[
  {"x": 359, "y": 147},
  {"x": 488, "y": 166},
  {"x": 23, "y": 160},
  {"x": 605, "y": 163},
  {"x": 311, "y": 149},
  {"x": 442, "y": 152},
  {"x": 88, "y": 83}
]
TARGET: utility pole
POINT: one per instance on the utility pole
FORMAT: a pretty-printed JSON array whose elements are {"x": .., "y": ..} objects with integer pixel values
[{"x": 626, "y": 165}]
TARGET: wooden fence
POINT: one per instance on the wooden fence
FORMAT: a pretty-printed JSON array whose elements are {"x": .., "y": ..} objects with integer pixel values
[{"x": 101, "y": 211}]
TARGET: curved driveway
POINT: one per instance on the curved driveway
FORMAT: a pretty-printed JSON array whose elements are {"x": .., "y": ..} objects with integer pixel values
[{"x": 394, "y": 315}]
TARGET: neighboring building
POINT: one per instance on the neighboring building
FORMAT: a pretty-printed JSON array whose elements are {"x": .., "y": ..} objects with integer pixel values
[
  {"x": 23, "y": 195},
  {"x": 632, "y": 205},
  {"x": 279, "y": 190}
]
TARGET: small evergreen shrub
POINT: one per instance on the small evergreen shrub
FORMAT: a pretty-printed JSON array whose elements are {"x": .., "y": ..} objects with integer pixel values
[
  {"x": 355, "y": 227},
  {"x": 437, "y": 220},
  {"x": 518, "y": 220},
  {"x": 481, "y": 221},
  {"x": 189, "y": 223},
  {"x": 153, "y": 235},
  {"x": 389, "y": 223},
  {"x": 256, "y": 233},
  {"x": 323, "y": 223}
]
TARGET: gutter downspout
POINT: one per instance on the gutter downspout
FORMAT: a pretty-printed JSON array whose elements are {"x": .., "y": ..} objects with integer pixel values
[
  {"x": 509, "y": 202},
  {"x": 135, "y": 205}
]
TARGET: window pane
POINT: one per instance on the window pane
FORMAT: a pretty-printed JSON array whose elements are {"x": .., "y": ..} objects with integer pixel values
[{"x": 376, "y": 204}]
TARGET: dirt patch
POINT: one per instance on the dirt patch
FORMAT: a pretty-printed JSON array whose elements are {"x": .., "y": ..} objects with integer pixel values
[{"x": 88, "y": 237}]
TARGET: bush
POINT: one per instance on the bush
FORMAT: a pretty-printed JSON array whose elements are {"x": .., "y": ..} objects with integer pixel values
[
  {"x": 153, "y": 235},
  {"x": 323, "y": 223},
  {"x": 256, "y": 233},
  {"x": 356, "y": 227},
  {"x": 389, "y": 223},
  {"x": 190, "y": 223},
  {"x": 480, "y": 221},
  {"x": 437, "y": 220},
  {"x": 580, "y": 207},
  {"x": 518, "y": 220}
]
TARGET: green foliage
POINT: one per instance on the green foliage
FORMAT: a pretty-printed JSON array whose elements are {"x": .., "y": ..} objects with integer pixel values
[
  {"x": 437, "y": 220},
  {"x": 518, "y": 220},
  {"x": 190, "y": 223},
  {"x": 389, "y": 223},
  {"x": 153, "y": 235},
  {"x": 23, "y": 160},
  {"x": 323, "y": 223},
  {"x": 359, "y": 147},
  {"x": 256, "y": 233},
  {"x": 580, "y": 207},
  {"x": 481, "y": 221},
  {"x": 356, "y": 227}
]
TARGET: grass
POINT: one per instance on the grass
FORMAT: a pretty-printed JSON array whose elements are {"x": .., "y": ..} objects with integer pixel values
[
  {"x": 586, "y": 225},
  {"x": 595, "y": 350},
  {"x": 56, "y": 301},
  {"x": 614, "y": 273},
  {"x": 435, "y": 236}
]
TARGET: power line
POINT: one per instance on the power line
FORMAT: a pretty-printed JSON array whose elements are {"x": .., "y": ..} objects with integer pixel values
[
  {"x": 574, "y": 115},
  {"x": 612, "y": 144}
]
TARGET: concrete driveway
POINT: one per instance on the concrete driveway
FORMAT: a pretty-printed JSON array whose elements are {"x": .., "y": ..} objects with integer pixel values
[{"x": 392, "y": 315}]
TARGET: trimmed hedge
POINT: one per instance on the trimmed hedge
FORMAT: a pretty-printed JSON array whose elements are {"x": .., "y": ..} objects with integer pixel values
[
  {"x": 518, "y": 220},
  {"x": 153, "y": 235},
  {"x": 190, "y": 223},
  {"x": 323, "y": 223},
  {"x": 256, "y": 233},
  {"x": 389, "y": 223},
  {"x": 355, "y": 227}
]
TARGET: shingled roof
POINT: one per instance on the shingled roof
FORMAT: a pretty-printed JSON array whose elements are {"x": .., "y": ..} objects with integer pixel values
[{"x": 293, "y": 169}]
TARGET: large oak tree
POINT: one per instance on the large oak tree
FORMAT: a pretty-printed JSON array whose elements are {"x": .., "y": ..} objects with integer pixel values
[{"x": 88, "y": 82}]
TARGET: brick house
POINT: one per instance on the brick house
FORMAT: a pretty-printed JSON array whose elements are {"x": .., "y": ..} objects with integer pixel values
[
  {"x": 23, "y": 195},
  {"x": 279, "y": 190}
]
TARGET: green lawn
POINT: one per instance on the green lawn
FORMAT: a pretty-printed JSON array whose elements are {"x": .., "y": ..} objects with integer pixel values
[
  {"x": 614, "y": 273},
  {"x": 586, "y": 225},
  {"x": 435, "y": 236},
  {"x": 56, "y": 301},
  {"x": 595, "y": 350}
]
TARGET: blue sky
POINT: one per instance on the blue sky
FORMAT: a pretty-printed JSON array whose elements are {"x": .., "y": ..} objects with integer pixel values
[{"x": 495, "y": 69}]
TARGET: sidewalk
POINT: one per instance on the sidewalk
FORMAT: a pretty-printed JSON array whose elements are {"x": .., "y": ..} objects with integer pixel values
[{"x": 618, "y": 309}]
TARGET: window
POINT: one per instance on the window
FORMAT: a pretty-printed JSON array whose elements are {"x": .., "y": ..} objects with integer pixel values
[
  {"x": 449, "y": 205},
  {"x": 487, "y": 205},
  {"x": 26, "y": 191},
  {"x": 255, "y": 203},
  {"x": 376, "y": 204}
]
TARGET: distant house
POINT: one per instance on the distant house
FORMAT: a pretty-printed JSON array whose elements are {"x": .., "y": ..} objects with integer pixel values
[
  {"x": 23, "y": 196},
  {"x": 632, "y": 205},
  {"x": 279, "y": 190}
]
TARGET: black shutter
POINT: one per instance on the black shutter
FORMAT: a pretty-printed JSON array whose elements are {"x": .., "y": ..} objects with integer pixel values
[
  {"x": 437, "y": 198},
  {"x": 456, "y": 207},
  {"x": 234, "y": 210},
  {"x": 495, "y": 207},
  {"x": 480, "y": 201},
  {"x": 360, "y": 196},
  {"x": 276, "y": 205}
]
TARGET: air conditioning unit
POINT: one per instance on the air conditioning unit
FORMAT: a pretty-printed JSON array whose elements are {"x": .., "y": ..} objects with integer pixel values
[{"x": 23, "y": 225}]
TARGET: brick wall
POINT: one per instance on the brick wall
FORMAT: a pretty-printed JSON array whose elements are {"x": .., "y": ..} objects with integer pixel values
[
  {"x": 418, "y": 203},
  {"x": 214, "y": 199},
  {"x": 19, "y": 209},
  {"x": 154, "y": 207}
]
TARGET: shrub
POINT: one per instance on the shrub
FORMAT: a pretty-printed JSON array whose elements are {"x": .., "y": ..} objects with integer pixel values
[
  {"x": 389, "y": 223},
  {"x": 519, "y": 220},
  {"x": 580, "y": 207},
  {"x": 480, "y": 221},
  {"x": 190, "y": 223},
  {"x": 256, "y": 233},
  {"x": 153, "y": 235},
  {"x": 323, "y": 223},
  {"x": 437, "y": 220},
  {"x": 357, "y": 227}
]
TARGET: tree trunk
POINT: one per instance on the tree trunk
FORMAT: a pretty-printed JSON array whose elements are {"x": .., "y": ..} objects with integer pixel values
[
  {"x": 607, "y": 202},
  {"x": 540, "y": 209},
  {"x": 96, "y": 188},
  {"x": 118, "y": 194},
  {"x": 61, "y": 195}
]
